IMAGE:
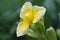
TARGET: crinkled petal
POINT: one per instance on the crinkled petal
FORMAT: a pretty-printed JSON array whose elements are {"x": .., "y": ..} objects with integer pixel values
[
  {"x": 22, "y": 29},
  {"x": 27, "y": 7},
  {"x": 38, "y": 13}
]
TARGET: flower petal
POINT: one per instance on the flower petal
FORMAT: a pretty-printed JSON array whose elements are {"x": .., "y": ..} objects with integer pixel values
[
  {"x": 27, "y": 7},
  {"x": 22, "y": 29},
  {"x": 38, "y": 13}
]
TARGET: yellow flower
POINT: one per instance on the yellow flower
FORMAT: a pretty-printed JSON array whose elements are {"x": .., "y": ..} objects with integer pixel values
[{"x": 29, "y": 14}]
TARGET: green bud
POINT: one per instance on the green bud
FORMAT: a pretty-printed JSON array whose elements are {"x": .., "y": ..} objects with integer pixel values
[
  {"x": 58, "y": 32},
  {"x": 50, "y": 33}
]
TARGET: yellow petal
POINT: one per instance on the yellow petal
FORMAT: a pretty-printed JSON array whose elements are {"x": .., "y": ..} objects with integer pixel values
[
  {"x": 38, "y": 13},
  {"x": 27, "y": 7},
  {"x": 22, "y": 28}
]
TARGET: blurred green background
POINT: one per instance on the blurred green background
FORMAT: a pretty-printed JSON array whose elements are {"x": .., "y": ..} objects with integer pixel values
[{"x": 9, "y": 17}]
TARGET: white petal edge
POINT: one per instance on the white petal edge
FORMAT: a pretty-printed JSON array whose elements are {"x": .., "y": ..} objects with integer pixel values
[
  {"x": 20, "y": 32},
  {"x": 41, "y": 13},
  {"x": 27, "y": 4}
]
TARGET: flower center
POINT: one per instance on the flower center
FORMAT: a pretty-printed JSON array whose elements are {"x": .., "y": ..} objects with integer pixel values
[{"x": 28, "y": 16}]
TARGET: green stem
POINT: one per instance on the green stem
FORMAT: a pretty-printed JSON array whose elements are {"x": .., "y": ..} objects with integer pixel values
[{"x": 42, "y": 37}]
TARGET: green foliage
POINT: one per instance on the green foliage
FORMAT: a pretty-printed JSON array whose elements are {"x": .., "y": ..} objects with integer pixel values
[
  {"x": 36, "y": 30},
  {"x": 51, "y": 14},
  {"x": 59, "y": 18}
]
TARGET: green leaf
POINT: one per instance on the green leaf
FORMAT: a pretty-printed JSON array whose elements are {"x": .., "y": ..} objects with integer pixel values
[{"x": 51, "y": 34}]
